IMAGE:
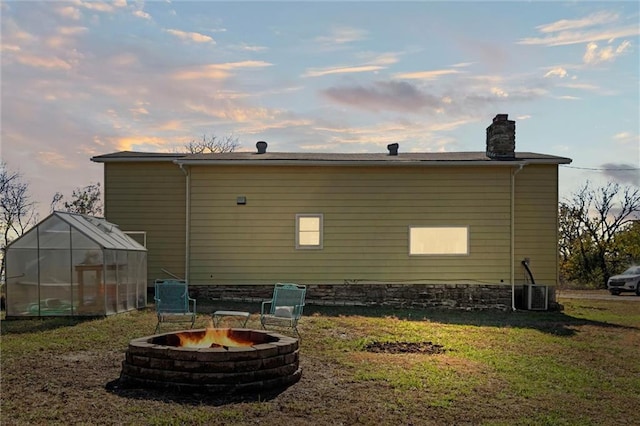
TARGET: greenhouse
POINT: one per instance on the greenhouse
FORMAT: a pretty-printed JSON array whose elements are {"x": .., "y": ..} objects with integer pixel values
[{"x": 75, "y": 265}]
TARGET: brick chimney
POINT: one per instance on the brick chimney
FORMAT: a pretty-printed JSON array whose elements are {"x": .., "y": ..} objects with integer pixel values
[{"x": 501, "y": 138}]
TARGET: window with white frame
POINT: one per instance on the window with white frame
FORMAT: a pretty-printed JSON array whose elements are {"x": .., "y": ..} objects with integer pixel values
[
  {"x": 308, "y": 231},
  {"x": 439, "y": 240}
]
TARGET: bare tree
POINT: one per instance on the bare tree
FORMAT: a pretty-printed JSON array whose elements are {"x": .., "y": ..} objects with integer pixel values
[
  {"x": 569, "y": 230},
  {"x": 589, "y": 224},
  {"x": 56, "y": 202},
  {"x": 213, "y": 144},
  {"x": 85, "y": 200},
  {"x": 17, "y": 211}
]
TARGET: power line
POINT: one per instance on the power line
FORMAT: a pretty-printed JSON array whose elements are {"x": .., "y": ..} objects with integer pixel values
[{"x": 600, "y": 168}]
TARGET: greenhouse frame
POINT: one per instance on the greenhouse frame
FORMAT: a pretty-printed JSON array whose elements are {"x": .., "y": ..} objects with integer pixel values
[{"x": 75, "y": 265}]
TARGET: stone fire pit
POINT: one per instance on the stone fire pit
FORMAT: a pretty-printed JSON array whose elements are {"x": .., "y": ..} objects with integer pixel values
[{"x": 212, "y": 360}]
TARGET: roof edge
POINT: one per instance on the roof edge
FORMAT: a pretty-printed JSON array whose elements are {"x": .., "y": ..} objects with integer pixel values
[
  {"x": 134, "y": 156},
  {"x": 361, "y": 163},
  {"x": 285, "y": 159}
]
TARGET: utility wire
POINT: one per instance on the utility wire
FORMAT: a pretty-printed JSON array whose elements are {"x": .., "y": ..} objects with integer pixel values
[{"x": 600, "y": 169}]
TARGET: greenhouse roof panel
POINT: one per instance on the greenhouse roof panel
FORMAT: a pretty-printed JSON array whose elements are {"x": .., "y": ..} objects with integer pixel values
[{"x": 104, "y": 233}]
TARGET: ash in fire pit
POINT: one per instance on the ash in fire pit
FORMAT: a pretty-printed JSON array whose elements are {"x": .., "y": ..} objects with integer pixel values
[{"x": 212, "y": 360}]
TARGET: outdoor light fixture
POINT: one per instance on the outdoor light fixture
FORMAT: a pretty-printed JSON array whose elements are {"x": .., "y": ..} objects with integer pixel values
[{"x": 241, "y": 200}]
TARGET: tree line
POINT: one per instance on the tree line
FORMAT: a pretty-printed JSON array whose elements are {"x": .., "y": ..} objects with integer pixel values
[{"x": 599, "y": 234}]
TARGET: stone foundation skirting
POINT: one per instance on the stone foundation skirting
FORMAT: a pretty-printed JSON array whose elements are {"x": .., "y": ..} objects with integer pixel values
[{"x": 453, "y": 296}]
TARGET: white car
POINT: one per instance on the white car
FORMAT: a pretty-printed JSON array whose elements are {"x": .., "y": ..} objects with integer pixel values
[{"x": 629, "y": 280}]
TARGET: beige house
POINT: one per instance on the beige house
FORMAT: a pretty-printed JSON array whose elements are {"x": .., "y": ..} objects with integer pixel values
[{"x": 350, "y": 226}]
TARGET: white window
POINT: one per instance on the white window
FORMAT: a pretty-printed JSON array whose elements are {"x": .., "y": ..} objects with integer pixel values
[
  {"x": 439, "y": 240},
  {"x": 308, "y": 231}
]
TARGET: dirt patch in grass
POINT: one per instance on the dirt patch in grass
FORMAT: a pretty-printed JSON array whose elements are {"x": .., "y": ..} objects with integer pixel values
[{"x": 427, "y": 348}]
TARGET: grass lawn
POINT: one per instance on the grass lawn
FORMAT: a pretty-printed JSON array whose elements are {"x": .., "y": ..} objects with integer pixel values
[{"x": 576, "y": 367}]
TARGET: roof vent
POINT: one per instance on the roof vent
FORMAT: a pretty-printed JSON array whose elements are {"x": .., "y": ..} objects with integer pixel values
[
  {"x": 262, "y": 147},
  {"x": 393, "y": 148}
]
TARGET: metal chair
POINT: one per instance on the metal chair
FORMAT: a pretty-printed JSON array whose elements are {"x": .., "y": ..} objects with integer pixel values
[
  {"x": 285, "y": 307},
  {"x": 173, "y": 303}
]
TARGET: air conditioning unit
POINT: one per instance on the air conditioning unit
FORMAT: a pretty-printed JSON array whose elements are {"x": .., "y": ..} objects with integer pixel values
[{"x": 536, "y": 297}]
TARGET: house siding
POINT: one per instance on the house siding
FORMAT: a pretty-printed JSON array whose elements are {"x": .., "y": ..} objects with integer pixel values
[
  {"x": 536, "y": 223},
  {"x": 150, "y": 197},
  {"x": 367, "y": 213}
]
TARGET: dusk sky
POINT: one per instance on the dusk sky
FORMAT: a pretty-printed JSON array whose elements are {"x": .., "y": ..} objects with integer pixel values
[{"x": 83, "y": 78}]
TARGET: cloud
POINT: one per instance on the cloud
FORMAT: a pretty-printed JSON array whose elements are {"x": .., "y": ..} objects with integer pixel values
[
  {"x": 252, "y": 48},
  {"x": 171, "y": 125},
  {"x": 243, "y": 64},
  {"x": 384, "y": 95},
  {"x": 594, "y": 55},
  {"x": 70, "y": 31},
  {"x": 597, "y": 18},
  {"x": 501, "y": 93},
  {"x": 43, "y": 62},
  {"x": 288, "y": 124},
  {"x": 466, "y": 96},
  {"x": 568, "y": 98},
  {"x": 490, "y": 89},
  {"x": 626, "y": 173},
  {"x": 341, "y": 36},
  {"x": 230, "y": 112},
  {"x": 628, "y": 138},
  {"x": 141, "y": 143},
  {"x": 64, "y": 38},
  {"x": 55, "y": 158},
  {"x": 9, "y": 48},
  {"x": 191, "y": 36},
  {"x": 622, "y": 136},
  {"x": 556, "y": 72},
  {"x": 384, "y": 59},
  {"x": 623, "y": 173},
  {"x": 496, "y": 95},
  {"x": 378, "y": 63},
  {"x": 69, "y": 12},
  {"x": 565, "y": 32},
  {"x": 13, "y": 32},
  {"x": 582, "y": 86},
  {"x": 123, "y": 60},
  {"x": 342, "y": 70},
  {"x": 142, "y": 14},
  {"x": 576, "y": 38},
  {"x": 207, "y": 72},
  {"x": 106, "y": 7},
  {"x": 426, "y": 75},
  {"x": 139, "y": 109},
  {"x": 414, "y": 136},
  {"x": 217, "y": 71}
]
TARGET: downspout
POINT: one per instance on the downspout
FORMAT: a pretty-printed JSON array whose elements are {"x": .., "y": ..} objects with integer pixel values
[
  {"x": 513, "y": 233},
  {"x": 186, "y": 221}
]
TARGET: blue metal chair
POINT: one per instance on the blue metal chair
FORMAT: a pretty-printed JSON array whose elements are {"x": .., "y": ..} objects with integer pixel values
[
  {"x": 285, "y": 307},
  {"x": 173, "y": 303}
]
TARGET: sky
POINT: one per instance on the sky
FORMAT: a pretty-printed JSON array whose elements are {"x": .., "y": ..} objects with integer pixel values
[{"x": 81, "y": 78}]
